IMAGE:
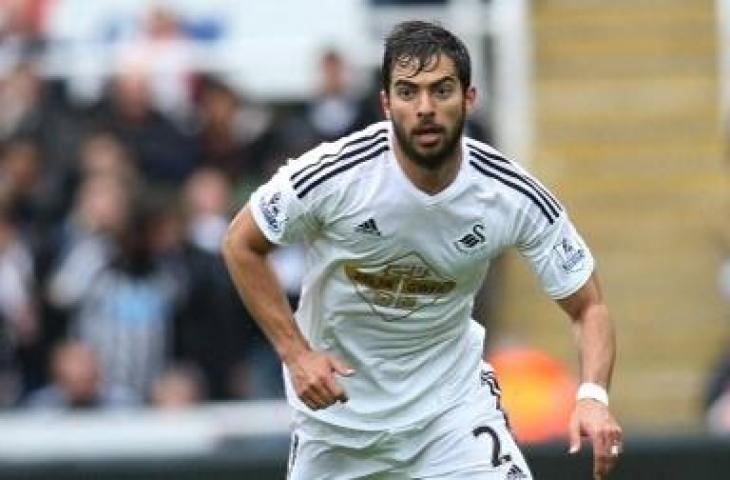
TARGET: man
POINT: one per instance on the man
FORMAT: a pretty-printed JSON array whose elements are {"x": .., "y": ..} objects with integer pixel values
[{"x": 382, "y": 360}]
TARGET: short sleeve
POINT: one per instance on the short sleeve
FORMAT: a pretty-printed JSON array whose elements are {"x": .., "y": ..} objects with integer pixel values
[
  {"x": 559, "y": 257},
  {"x": 281, "y": 216}
]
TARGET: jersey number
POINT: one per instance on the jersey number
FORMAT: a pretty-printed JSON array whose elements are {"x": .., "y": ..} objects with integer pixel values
[{"x": 497, "y": 458}]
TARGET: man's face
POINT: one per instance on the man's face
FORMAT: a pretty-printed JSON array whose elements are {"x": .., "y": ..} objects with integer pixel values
[{"x": 428, "y": 110}]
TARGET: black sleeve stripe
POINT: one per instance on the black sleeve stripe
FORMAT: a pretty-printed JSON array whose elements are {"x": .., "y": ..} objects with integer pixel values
[
  {"x": 517, "y": 176},
  {"x": 546, "y": 193},
  {"x": 531, "y": 180},
  {"x": 351, "y": 143},
  {"x": 339, "y": 159},
  {"x": 341, "y": 168},
  {"x": 515, "y": 186}
]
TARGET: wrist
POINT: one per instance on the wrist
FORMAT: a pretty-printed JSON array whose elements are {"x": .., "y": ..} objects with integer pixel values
[
  {"x": 290, "y": 351},
  {"x": 592, "y": 391}
]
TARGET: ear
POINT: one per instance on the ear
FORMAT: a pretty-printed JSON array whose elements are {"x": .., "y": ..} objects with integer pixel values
[
  {"x": 385, "y": 103},
  {"x": 470, "y": 97}
]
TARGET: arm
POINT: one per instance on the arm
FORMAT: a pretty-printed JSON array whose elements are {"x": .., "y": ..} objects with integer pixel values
[
  {"x": 596, "y": 339},
  {"x": 245, "y": 251}
]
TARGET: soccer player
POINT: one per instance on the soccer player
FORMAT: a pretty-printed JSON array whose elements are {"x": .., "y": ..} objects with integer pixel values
[{"x": 383, "y": 363}]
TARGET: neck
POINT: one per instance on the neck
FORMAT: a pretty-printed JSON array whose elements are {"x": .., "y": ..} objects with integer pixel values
[{"x": 429, "y": 180}]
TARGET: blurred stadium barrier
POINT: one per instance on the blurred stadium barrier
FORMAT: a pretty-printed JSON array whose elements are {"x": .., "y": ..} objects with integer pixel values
[{"x": 251, "y": 441}]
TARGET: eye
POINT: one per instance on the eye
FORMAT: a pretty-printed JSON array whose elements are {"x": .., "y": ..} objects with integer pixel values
[
  {"x": 405, "y": 92},
  {"x": 444, "y": 90}
]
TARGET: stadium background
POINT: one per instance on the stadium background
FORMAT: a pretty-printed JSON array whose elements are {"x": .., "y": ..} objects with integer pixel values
[{"x": 620, "y": 107}]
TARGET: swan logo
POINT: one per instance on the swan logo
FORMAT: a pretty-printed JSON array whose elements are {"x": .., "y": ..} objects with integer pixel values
[{"x": 473, "y": 240}]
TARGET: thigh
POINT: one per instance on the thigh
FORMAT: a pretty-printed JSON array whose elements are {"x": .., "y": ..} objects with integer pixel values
[
  {"x": 471, "y": 441},
  {"x": 333, "y": 454},
  {"x": 483, "y": 451}
]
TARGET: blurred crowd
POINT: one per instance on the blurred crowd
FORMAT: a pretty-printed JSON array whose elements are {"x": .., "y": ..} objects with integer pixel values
[
  {"x": 113, "y": 292},
  {"x": 112, "y": 289}
]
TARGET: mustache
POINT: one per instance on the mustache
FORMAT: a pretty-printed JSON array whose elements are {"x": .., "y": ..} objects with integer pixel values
[{"x": 428, "y": 126}]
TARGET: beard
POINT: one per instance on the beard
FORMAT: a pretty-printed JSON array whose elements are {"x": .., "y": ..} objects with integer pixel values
[{"x": 434, "y": 158}]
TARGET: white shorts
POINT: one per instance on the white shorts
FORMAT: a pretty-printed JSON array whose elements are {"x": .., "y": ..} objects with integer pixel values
[{"x": 470, "y": 441}]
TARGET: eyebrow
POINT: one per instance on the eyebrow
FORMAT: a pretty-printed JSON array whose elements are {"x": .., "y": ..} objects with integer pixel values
[{"x": 447, "y": 78}]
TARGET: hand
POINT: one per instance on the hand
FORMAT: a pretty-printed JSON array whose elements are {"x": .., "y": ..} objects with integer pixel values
[
  {"x": 313, "y": 376},
  {"x": 593, "y": 419}
]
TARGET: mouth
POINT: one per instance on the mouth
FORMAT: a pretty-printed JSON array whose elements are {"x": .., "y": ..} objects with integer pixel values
[{"x": 428, "y": 136}]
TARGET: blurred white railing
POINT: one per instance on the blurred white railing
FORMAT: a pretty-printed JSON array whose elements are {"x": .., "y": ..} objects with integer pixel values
[{"x": 45, "y": 436}]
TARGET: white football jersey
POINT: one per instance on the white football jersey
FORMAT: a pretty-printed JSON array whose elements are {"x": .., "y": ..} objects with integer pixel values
[{"x": 391, "y": 271}]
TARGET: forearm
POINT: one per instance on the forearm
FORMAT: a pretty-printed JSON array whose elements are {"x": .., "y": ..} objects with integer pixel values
[
  {"x": 597, "y": 343},
  {"x": 594, "y": 332},
  {"x": 259, "y": 288}
]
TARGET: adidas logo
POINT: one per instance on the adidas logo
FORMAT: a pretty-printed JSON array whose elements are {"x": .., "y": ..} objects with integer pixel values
[
  {"x": 515, "y": 473},
  {"x": 368, "y": 227}
]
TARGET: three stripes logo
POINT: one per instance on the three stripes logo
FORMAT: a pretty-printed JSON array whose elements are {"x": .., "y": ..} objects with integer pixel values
[
  {"x": 515, "y": 473},
  {"x": 368, "y": 227}
]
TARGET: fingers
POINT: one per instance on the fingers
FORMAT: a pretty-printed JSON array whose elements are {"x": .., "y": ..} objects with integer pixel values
[
  {"x": 607, "y": 447},
  {"x": 595, "y": 421},
  {"x": 319, "y": 389},
  {"x": 601, "y": 456},
  {"x": 314, "y": 397},
  {"x": 335, "y": 390},
  {"x": 318, "y": 393},
  {"x": 574, "y": 436},
  {"x": 341, "y": 367}
]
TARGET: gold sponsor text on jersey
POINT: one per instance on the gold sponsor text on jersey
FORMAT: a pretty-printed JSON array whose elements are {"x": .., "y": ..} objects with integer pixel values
[{"x": 405, "y": 285}]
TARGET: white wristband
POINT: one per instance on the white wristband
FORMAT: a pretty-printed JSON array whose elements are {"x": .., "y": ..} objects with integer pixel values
[{"x": 592, "y": 391}]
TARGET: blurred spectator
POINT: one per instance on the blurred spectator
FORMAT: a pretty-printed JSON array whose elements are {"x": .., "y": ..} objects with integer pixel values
[
  {"x": 20, "y": 92},
  {"x": 163, "y": 152},
  {"x": 717, "y": 392},
  {"x": 208, "y": 202},
  {"x": 77, "y": 382},
  {"x": 717, "y": 399},
  {"x": 338, "y": 109},
  {"x": 178, "y": 388},
  {"x": 34, "y": 108},
  {"x": 25, "y": 180},
  {"x": 74, "y": 253},
  {"x": 214, "y": 329},
  {"x": 163, "y": 53},
  {"x": 20, "y": 173},
  {"x": 86, "y": 241},
  {"x": 20, "y": 25},
  {"x": 35, "y": 113},
  {"x": 18, "y": 313},
  {"x": 103, "y": 154},
  {"x": 124, "y": 307},
  {"x": 235, "y": 137}
]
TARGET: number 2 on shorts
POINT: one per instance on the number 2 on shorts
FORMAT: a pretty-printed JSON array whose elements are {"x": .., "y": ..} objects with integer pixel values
[{"x": 497, "y": 458}]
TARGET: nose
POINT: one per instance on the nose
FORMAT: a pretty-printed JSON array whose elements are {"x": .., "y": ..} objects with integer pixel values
[{"x": 425, "y": 105}]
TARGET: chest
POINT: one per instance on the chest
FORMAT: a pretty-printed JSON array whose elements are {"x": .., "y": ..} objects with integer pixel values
[{"x": 454, "y": 238}]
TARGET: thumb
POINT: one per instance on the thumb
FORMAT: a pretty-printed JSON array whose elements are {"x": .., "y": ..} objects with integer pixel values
[
  {"x": 341, "y": 367},
  {"x": 574, "y": 437}
]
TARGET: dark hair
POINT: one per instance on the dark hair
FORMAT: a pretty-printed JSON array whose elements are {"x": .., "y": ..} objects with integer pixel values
[{"x": 421, "y": 43}]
